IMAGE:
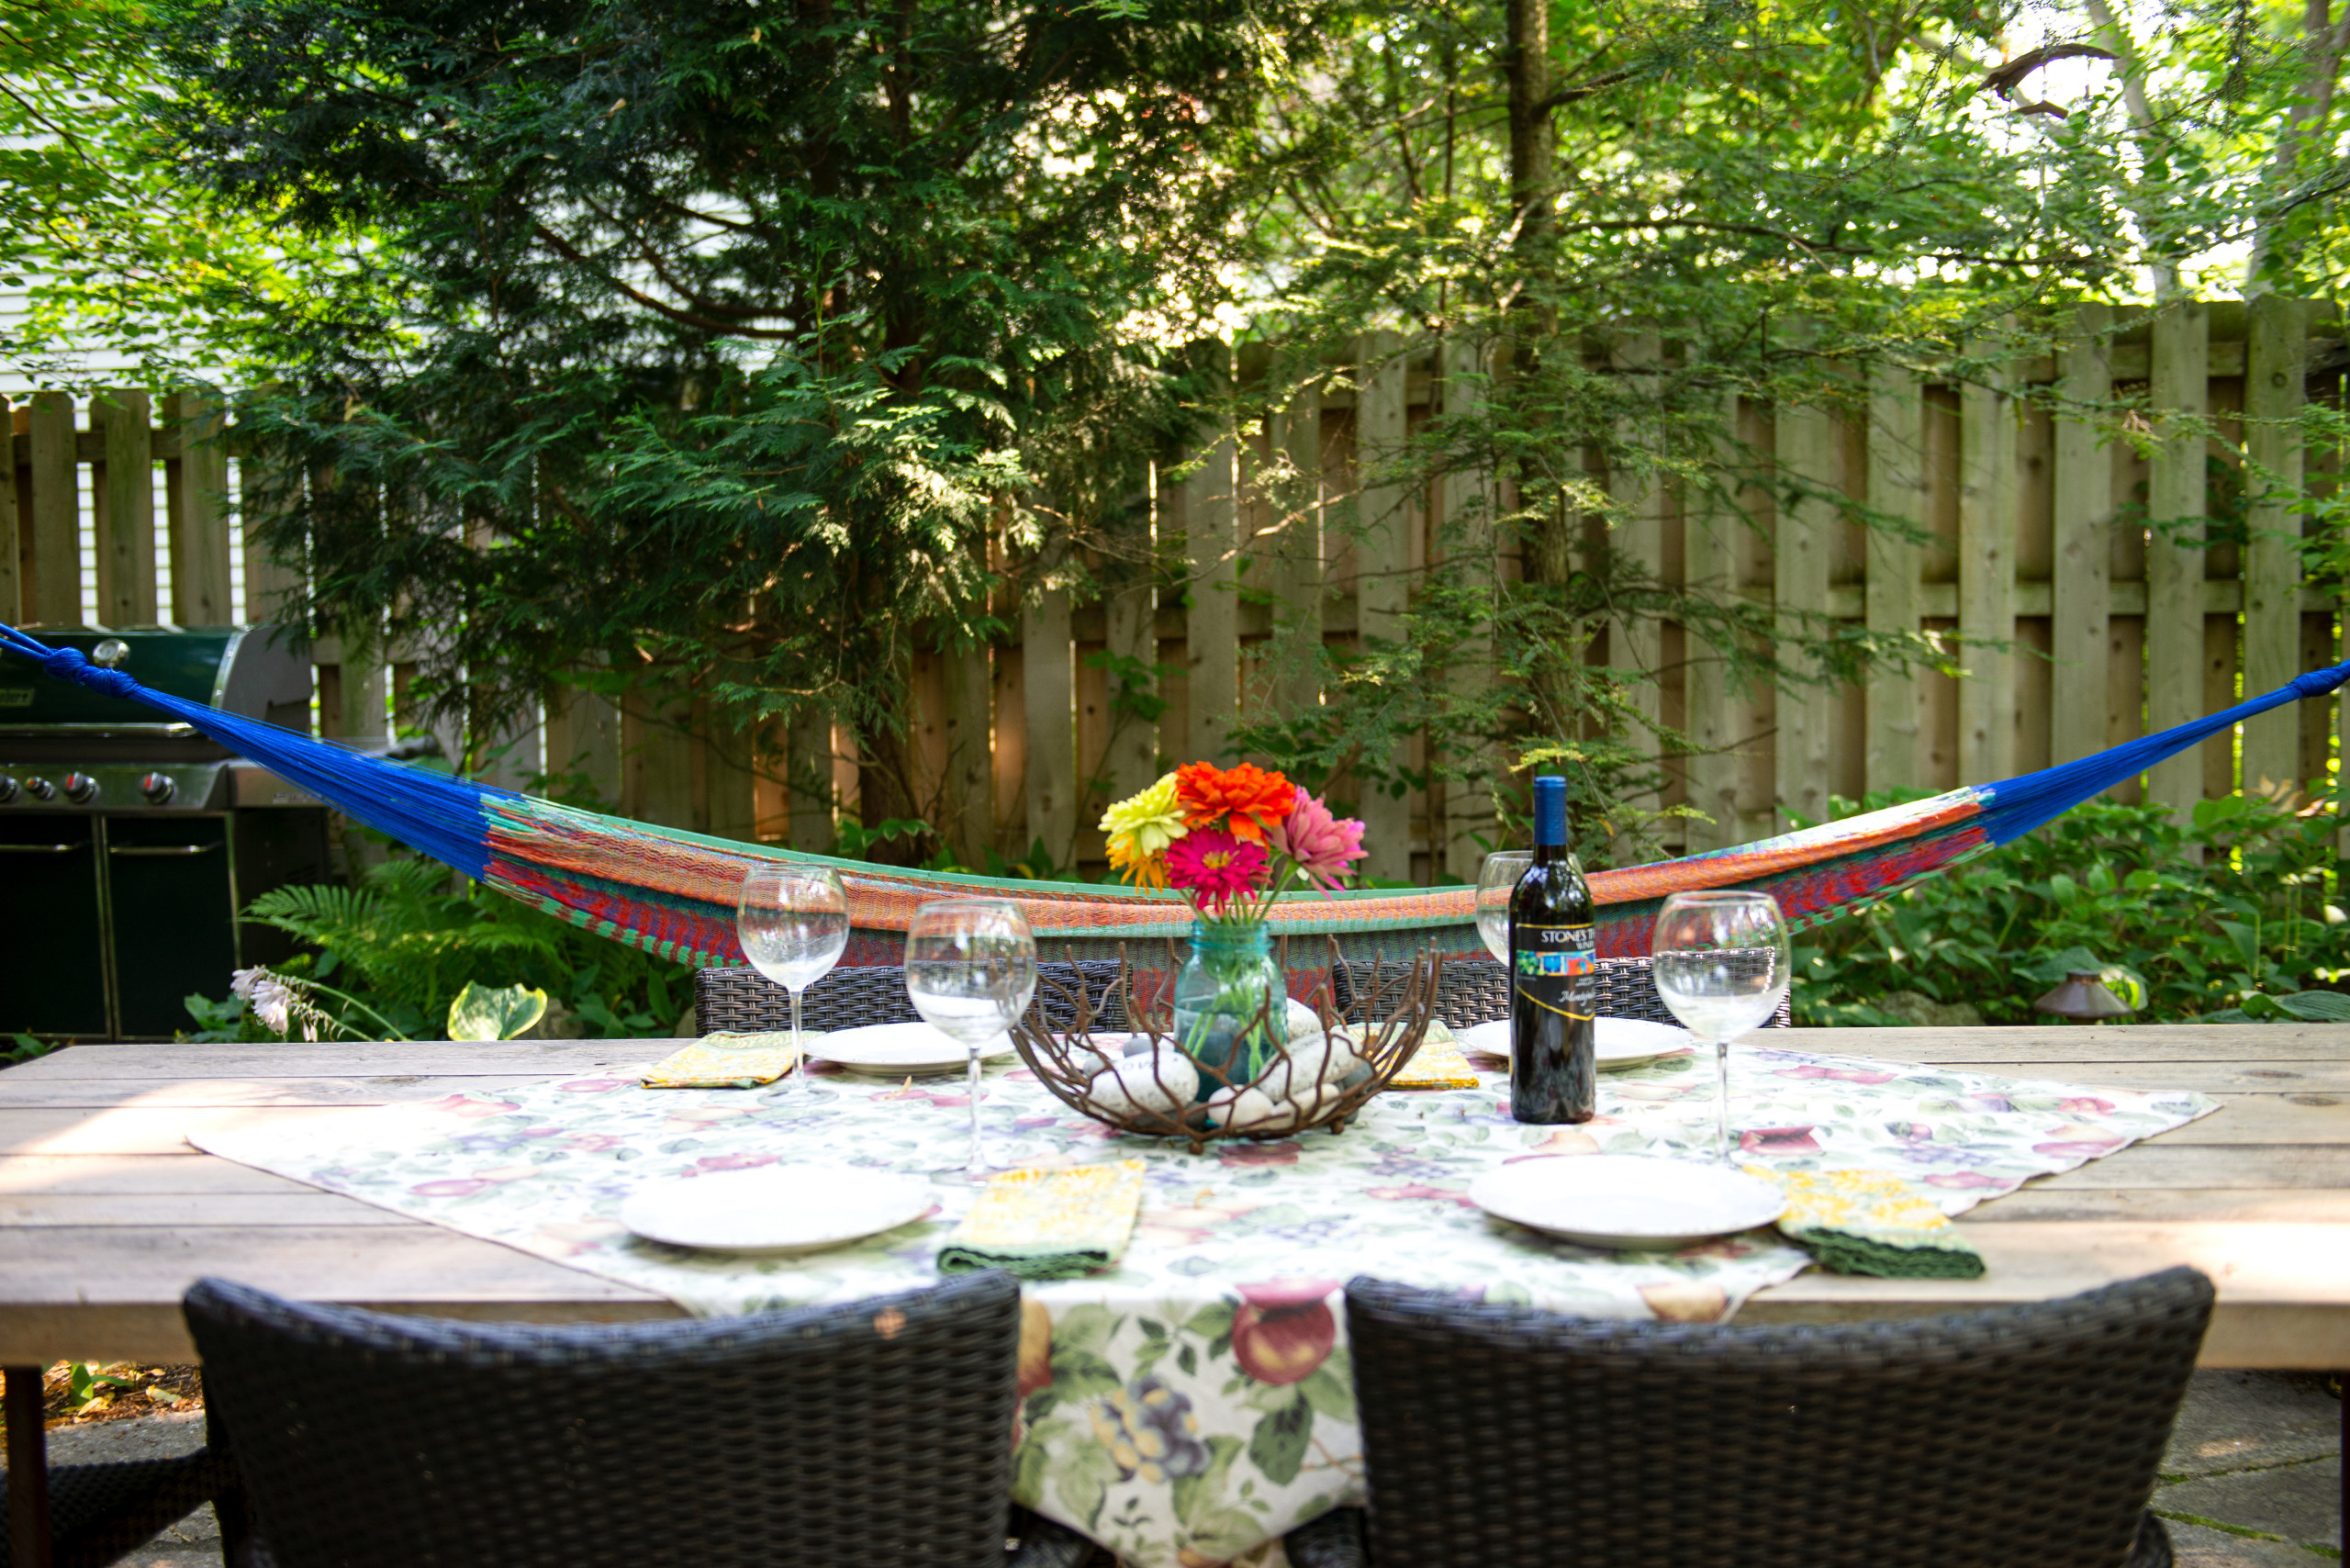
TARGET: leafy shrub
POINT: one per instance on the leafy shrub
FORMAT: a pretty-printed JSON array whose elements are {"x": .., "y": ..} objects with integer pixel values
[
  {"x": 413, "y": 935},
  {"x": 2254, "y": 931}
]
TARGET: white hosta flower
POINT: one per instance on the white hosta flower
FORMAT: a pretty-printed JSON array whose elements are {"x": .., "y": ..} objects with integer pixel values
[{"x": 270, "y": 998}]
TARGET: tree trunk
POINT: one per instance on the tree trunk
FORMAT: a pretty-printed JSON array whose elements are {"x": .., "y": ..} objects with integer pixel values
[
  {"x": 1526, "y": 63},
  {"x": 885, "y": 775},
  {"x": 2324, "y": 41}
]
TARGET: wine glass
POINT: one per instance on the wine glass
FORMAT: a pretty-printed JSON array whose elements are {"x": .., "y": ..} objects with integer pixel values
[
  {"x": 1720, "y": 962},
  {"x": 793, "y": 923},
  {"x": 971, "y": 971},
  {"x": 1496, "y": 882}
]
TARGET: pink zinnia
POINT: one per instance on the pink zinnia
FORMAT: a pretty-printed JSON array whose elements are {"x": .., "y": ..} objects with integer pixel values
[
  {"x": 1322, "y": 845},
  {"x": 1215, "y": 866}
]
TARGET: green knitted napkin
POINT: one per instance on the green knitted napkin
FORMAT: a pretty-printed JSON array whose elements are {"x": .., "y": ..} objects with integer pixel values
[
  {"x": 1871, "y": 1222},
  {"x": 1048, "y": 1225}
]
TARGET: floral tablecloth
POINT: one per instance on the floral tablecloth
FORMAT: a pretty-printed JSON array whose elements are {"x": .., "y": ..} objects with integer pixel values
[{"x": 1196, "y": 1401}]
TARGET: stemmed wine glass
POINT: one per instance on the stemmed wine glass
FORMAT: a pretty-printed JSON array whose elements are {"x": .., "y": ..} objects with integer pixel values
[
  {"x": 1720, "y": 963},
  {"x": 971, "y": 971},
  {"x": 793, "y": 923},
  {"x": 1496, "y": 882}
]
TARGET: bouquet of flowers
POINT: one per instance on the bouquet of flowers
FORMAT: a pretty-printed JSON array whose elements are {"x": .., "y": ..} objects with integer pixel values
[{"x": 1230, "y": 839}]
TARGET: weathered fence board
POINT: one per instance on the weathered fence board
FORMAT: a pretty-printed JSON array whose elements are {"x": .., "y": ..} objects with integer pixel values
[
  {"x": 197, "y": 512},
  {"x": 122, "y": 487},
  {"x": 56, "y": 591},
  {"x": 2081, "y": 585},
  {"x": 2272, "y": 611}
]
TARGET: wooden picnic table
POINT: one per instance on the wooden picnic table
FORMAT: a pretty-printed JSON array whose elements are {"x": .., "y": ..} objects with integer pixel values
[{"x": 106, "y": 1214}]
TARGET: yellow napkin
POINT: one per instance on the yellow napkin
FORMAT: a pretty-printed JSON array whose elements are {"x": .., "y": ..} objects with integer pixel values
[
  {"x": 724, "y": 1061},
  {"x": 1438, "y": 1064},
  {"x": 1048, "y": 1225}
]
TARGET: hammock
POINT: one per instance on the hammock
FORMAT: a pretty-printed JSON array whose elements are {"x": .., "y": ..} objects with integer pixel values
[{"x": 673, "y": 893}]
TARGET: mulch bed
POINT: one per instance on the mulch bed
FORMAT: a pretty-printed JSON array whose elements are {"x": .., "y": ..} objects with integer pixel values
[{"x": 143, "y": 1390}]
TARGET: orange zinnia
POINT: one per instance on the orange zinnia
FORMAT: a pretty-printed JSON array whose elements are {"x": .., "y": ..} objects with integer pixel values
[{"x": 1252, "y": 799}]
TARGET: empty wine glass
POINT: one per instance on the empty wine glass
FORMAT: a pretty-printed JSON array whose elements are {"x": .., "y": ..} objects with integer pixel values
[
  {"x": 793, "y": 923},
  {"x": 1496, "y": 882},
  {"x": 1720, "y": 963},
  {"x": 971, "y": 971}
]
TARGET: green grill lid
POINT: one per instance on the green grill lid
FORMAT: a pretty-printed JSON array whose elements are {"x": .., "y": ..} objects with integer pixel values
[{"x": 244, "y": 669}]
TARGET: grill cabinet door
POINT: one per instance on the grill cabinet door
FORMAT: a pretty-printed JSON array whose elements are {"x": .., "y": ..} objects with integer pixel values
[
  {"x": 52, "y": 945},
  {"x": 175, "y": 918}
]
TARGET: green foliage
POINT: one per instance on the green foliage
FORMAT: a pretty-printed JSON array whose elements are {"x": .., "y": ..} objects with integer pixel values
[
  {"x": 710, "y": 341},
  {"x": 118, "y": 249},
  {"x": 2255, "y": 931},
  {"x": 87, "y": 1386},
  {"x": 1671, "y": 214},
  {"x": 412, "y": 938},
  {"x": 24, "y": 1048}
]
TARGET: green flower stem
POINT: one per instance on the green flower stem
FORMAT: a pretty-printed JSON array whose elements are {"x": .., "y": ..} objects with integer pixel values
[{"x": 350, "y": 1001}]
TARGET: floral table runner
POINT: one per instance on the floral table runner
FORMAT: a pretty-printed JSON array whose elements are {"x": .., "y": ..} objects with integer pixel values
[{"x": 1196, "y": 1401}]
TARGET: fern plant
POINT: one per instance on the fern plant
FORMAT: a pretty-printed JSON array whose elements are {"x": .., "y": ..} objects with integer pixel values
[
  {"x": 412, "y": 936},
  {"x": 409, "y": 935}
]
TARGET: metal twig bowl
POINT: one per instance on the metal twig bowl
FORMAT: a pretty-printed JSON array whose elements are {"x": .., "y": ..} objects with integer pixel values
[{"x": 1139, "y": 1081}]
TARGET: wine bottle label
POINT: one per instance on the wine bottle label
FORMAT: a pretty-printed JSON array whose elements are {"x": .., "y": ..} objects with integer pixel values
[{"x": 1557, "y": 968}]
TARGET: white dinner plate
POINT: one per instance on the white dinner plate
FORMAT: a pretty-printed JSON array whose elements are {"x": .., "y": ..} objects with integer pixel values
[
  {"x": 901, "y": 1047},
  {"x": 775, "y": 1208},
  {"x": 1628, "y": 1200},
  {"x": 1621, "y": 1042}
]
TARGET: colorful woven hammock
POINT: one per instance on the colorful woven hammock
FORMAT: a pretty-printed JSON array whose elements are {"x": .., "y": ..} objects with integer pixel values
[{"x": 672, "y": 892}]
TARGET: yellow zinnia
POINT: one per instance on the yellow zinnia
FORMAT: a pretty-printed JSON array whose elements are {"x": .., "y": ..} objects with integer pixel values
[
  {"x": 1140, "y": 828},
  {"x": 1143, "y": 870}
]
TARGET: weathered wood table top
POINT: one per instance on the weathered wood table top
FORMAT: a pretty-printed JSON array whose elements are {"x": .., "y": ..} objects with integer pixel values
[{"x": 106, "y": 1214}]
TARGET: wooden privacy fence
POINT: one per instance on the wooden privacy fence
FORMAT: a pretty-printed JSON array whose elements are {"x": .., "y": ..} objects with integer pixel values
[
  {"x": 2044, "y": 538},
  {"x": 2041, "y": 537}
]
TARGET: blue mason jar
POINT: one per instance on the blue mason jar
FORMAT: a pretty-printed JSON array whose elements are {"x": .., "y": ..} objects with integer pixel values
[{"x": 1231, "y": 1002}]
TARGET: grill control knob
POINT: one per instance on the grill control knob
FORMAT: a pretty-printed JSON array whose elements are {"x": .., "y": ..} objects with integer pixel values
[
  {"x": 8, "y": 789},
  {"x": 158, "y": 788},
  {"x": 80, "y": 789},
  {"x": 110, "y": 653},
  {"x": 40, "y": 788}
]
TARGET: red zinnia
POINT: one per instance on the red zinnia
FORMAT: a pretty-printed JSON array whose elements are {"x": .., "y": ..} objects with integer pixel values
[{"x": 1215, "y": 866}]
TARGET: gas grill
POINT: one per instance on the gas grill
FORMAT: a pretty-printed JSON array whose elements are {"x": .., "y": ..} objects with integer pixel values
[{"x": 128, "y": 841}]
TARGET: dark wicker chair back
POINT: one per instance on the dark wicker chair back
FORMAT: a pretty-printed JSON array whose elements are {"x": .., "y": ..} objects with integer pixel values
[
  {"x": 877, "y": 1431},
  {"x": 746, "y": 1001},
  {"x": 1473, "y": 991},
  {"x": 1497, "y": 1436}
]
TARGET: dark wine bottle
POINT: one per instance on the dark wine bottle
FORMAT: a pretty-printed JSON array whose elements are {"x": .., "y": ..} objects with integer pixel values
[{"x": 1554, "y": 981}]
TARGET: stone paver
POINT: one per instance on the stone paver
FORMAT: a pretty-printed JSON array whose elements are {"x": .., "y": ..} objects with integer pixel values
[
  {"x": 2301, "y": 1502},
  {"x": 195, "y": 1541},
  {"x": 2260, "y": 1451},
  {"x": 2232, "y": 1420},
  {"x": 2195, "y": 1547}
]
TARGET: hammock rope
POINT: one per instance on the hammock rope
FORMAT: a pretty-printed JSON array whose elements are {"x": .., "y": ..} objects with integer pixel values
[{"x": 672, "y": 892}]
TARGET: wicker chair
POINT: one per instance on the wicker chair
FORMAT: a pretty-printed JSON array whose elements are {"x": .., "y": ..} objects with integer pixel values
[
  {"x": 748, "y": 1002},
  {"x": 1473, "y": 991},
  {"x": 1496, "y": 1436},
  {"x": 101, "y": 1513},
  {"x": 877, "y": 1431}
]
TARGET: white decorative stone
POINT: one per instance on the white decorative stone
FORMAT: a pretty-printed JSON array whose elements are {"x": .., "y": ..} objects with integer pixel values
[{"x": 1160, "y": 1082}]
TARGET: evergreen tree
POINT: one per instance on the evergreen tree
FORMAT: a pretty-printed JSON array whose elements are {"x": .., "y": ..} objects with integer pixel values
[{"x": 707, "y": 343}]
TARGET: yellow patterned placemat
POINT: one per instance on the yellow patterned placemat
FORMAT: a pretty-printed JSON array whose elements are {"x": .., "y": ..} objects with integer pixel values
[
  {"x": 725, "y": 1061},
  {"x": 1048, "y": 1225}
]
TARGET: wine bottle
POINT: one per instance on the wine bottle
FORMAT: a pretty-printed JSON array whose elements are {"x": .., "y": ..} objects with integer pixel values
[{"x": 1554, "y": 981}]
